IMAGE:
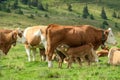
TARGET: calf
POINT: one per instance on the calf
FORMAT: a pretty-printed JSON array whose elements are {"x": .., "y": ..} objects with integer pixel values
[
  {"x": 103, "y": 52},
  {"x": 61, "y": 57},
  {"x": 114, "y": 56},
  {"x": 84, "y": 52}
]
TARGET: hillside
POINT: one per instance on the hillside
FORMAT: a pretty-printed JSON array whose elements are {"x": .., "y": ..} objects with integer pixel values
[{"x": 56, "y": 11}]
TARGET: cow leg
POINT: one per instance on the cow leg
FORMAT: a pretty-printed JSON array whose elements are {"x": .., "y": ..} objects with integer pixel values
[
  {"x": 42, "y": 54},
  {"x": 49, "y": 55},
  {"x": 34, "y": 52},
  {"x": 95, "y": 55},
  {"x": 28, "y": 53}
]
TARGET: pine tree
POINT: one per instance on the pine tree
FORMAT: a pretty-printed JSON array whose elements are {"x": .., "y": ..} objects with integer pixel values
[
  {"x": 29, "y": 3},
  {"x": 24, "y": 1},
  {"x": 91, "y": 17},
  {"x": 15, "y": 4},
  {"x": 70, "y": 7},
  {"x": 116, "y": 25},
  {"x": 114, "y": 14},
  {"x": 34, "y": 3},
  {"x": 85, "y": 12},
  {"x": 104, "y": 24},
  {"x": 103, "y": 14},
  {"x": 40, "y": 7},
  {"x": 118, "y": 16}
]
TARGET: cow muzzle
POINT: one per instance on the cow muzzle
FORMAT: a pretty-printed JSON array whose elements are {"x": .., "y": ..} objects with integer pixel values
[{"x": 14, "y": 44}]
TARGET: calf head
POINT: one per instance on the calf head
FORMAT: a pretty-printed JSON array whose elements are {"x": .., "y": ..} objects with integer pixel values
[{"x": 63, "y": 48}]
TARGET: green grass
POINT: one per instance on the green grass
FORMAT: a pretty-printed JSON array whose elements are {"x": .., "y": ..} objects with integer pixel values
[{"x": 15, "y": 66}]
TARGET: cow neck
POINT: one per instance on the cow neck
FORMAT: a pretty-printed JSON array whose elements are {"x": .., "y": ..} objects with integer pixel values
[
  {"x": 103, "y": 38},
  {"x": 8, "y": 37}
]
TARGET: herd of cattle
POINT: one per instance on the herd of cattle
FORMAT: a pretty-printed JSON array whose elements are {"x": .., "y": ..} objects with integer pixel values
[{"x": 70, "y": 43}]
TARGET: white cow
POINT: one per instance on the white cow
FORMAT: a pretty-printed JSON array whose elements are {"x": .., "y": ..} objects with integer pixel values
[{"x": 33, "y": 37}]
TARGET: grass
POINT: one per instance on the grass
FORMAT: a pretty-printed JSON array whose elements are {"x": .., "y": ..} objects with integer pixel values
[{"x": 15, "y": 66}]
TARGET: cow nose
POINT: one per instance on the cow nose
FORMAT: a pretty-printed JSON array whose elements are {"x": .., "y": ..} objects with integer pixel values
[
  {"x": 115, "y": 43},
  {"x": 14, "y": 44}
]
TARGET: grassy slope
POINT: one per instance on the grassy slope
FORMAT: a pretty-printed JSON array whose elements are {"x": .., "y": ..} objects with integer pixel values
[
  {"x": 14, "y": 66},
  {"x": 59, "y": 14}
]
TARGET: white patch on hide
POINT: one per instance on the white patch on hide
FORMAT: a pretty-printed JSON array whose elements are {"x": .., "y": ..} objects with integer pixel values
[
  {"x": 24, "y": 35},
  {"x": 111, "y": 38},
  {"x": 37, "y": 33}
]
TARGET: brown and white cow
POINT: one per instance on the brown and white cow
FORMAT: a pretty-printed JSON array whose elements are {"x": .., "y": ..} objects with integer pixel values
[
  {"x": 84, "y": 52},
  {"x": 114, "y": 56},
  {"x": 33, "y": 37},
  {"x": 76, "y": 36},
  {"x": 7, "y": 39}
]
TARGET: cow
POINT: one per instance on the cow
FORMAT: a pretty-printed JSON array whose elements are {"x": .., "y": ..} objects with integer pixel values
[
  {"x": 103, "y": 52},
  {"x": 7, "y": 39},
  {"x": 84, "y": 52},
  {"x": 114, "y": 56},
  {"x": 34, "y": 37},
  {"x": 75, "y": 36}
]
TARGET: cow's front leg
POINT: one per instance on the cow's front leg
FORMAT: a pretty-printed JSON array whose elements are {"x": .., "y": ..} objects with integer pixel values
[
  {"x": 34, "y": 52},
  {"x": 28, "y": 51},
  {"x": 49, "y": 55},
  {"x": 28, "y": 54}
]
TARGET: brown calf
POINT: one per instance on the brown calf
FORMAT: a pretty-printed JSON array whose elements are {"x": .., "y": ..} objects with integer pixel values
[{"x": 82, "y": 52}]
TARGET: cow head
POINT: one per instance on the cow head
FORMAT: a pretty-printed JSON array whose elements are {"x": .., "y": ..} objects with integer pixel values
[
  {"x": 110, "y": 37},
  {"x": 19, "y": 32},
  {"x": 14, "y": 38}
]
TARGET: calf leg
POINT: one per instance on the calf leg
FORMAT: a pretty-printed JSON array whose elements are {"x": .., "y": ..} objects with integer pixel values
[
  {"x": 70, "y": 60},
  {"x": 79, "y": 61},
  {"x": 60, "y": 63},
  {"x": 88, "y": 59}
]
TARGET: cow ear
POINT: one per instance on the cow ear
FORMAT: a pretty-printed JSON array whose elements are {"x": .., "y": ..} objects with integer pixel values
[
  {"x": 14, "y": 35},
  {"x": 106, "y": 32}
]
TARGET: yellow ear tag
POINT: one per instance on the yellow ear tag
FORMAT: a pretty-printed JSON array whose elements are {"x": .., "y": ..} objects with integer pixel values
[{"x": 65, "y": 49}]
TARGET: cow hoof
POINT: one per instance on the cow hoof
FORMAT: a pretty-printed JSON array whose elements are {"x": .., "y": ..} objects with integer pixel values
[{"x": 50, "y": 64}]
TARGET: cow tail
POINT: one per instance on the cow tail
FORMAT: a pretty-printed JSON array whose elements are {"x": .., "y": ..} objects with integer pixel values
[
  {"x": 47, "y": 29},
  {"x": 46, "y": 36}
]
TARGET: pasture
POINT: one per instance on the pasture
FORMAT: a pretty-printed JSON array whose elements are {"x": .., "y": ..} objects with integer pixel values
[{"x": 15, "y": 66}]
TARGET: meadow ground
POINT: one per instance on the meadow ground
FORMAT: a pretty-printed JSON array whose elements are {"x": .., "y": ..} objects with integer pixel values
[{"x": 15, "y": 66}]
